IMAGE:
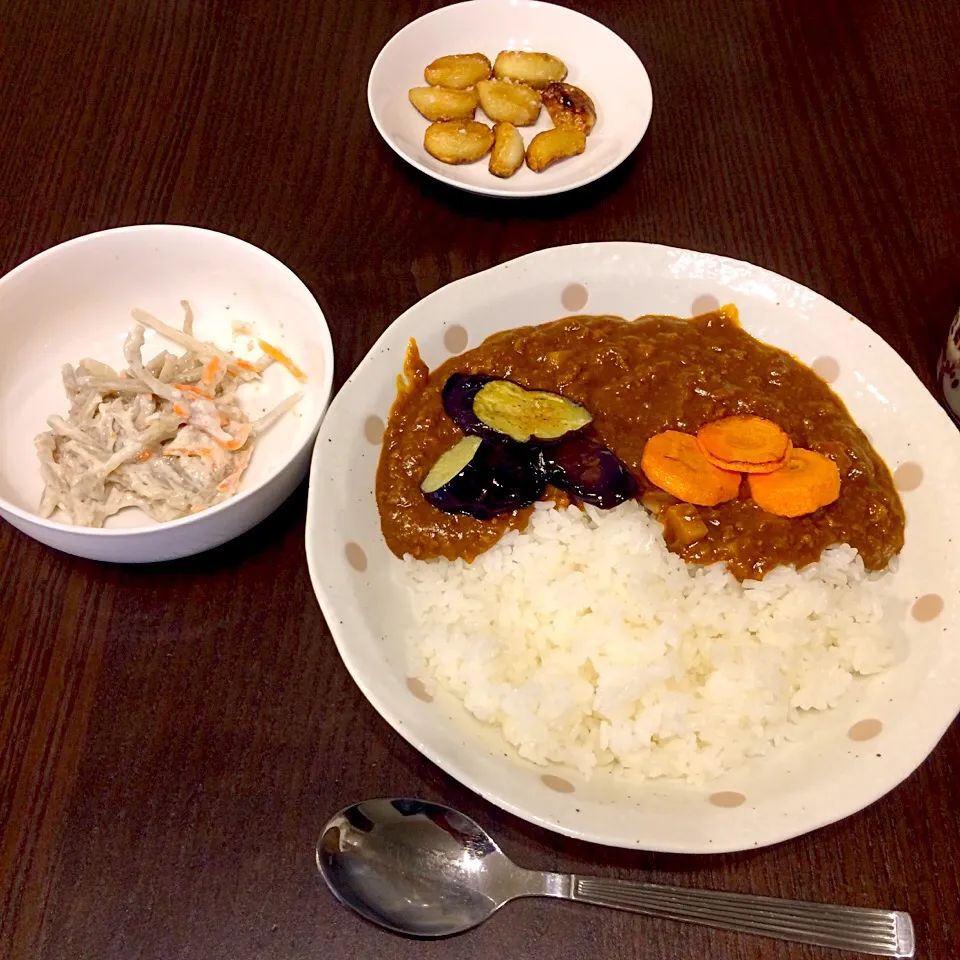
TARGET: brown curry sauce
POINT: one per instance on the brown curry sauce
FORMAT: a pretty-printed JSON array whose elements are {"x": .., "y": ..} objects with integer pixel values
[{"x": 639, "y": 378}]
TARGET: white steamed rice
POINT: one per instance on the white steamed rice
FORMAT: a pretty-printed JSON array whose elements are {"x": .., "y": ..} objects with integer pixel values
[{"x": 588, "y": 643}]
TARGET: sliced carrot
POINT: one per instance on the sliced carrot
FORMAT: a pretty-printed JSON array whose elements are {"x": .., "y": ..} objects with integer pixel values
[
  {"x": 743, "y": 439},
  {"x": 805, "y": 483},
  {"x": 742, "y": 466},
  {"x": 673, "y": 462},
  {"x": 275, "y": 353}
]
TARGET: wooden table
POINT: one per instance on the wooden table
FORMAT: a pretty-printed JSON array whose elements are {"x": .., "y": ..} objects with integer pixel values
[{"x": 172, "y": 737}]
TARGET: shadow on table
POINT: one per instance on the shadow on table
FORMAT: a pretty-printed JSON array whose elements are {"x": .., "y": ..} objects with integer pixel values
[
  {"x": 269, "y": 544},
  {"x": 270, "y": 537},
  {"x": 504, "y": 209}
]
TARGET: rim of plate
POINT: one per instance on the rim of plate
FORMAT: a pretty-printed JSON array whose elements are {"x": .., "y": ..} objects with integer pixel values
[
  {"x": 631, "y": 144},
  {"x": 899, "y": 769},
  {"x": 324, "y": 390}
]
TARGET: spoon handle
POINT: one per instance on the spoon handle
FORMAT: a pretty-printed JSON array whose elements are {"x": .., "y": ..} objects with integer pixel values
[{"x": 880, "y": 933}]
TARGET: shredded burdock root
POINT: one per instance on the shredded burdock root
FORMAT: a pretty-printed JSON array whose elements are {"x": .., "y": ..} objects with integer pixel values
[{"x": 168, "y": 436}]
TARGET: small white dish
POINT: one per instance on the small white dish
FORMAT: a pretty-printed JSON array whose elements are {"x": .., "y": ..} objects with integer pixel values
[
  {"x": 74, "y": 301},
  {"x": 597, "y": 60},
  {"x": 851, "y": 755}
]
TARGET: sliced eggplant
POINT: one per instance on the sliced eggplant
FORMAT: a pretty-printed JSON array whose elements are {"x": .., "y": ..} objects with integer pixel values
[
  {"x": 458, "y": 394},
  {"x": 523, "y": 415},
  {"x": 489, "y": 407},
  {"x": 583, "y": 467},
  {"x": 450, "y": 464},
  {"x": 482, "y": 479}
]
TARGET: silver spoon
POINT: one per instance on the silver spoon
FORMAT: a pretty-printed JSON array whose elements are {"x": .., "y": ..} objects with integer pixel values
[{"x": 425, "y": 870}]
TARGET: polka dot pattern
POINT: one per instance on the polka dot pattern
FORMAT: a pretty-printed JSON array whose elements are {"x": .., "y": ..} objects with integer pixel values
[
  {"x": 908, "y": 476},
  {"x": 705, "y": 303},
  {"x": 356, "y": 557},
  {"x": 557, "y": 783},
  {"x": 826, "y": 368},
  {"x": 373, "y": 428},
  {"x": 455, "y": 339},
  {"x": 574, "y": 297},
  {"x": 416, "y": 687},
  {"x": 927, "y": 608},
  {"x": 727, "y": 798},
  {"x": 865, "y": 729}
]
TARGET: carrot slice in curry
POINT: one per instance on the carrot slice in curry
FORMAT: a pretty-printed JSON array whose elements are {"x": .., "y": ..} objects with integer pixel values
[
  {"x": 742, "y": 466},
  {"x": 673, "y": 462},
  {"x": 743, "y": 440},
  {"x": 805, "y": 483}
]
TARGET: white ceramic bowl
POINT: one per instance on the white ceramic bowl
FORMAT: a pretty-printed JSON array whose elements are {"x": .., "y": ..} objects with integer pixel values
[
  {"x": 596, "y": 58},
  {"x": 74, "y": 301},
  {"x": 854, "y": 754}
]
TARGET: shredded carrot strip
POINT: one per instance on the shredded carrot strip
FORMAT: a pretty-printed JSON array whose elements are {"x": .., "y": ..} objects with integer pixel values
[
  {"x": 180, "y": 410},
  {"x": 276, "y": 354},
  {"x": 235, "y": 443},
  {"x": 196, "y": 391},
  {"x": 189, "y": 452},
  {"x": 210, "y": 371},
  {"x": 144, "y": 455}
]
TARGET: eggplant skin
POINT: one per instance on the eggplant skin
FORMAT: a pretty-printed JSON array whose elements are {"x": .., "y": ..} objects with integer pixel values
[
  {"x": 500, "y": 409},
  {"x": 458, "y": 395},
  {"x": 502, "y": 473},
  {"x": 584, "y": 468},
  {"x": 499, "y": 478}
]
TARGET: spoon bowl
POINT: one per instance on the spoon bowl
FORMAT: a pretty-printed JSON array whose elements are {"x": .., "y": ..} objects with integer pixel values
[
  {"x": 425, "y": 870},
  {"x": 415, "y": 867}
]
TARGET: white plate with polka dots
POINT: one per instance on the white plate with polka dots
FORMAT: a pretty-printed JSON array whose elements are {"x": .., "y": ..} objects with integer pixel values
[
  {"x": 597, "y": 60},
  {"x": 853, "y": 754}
]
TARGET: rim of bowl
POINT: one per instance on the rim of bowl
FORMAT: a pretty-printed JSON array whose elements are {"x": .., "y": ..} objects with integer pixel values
[
  {"x": 325, "y": 389},
  {"x": 494, "y": 191}
]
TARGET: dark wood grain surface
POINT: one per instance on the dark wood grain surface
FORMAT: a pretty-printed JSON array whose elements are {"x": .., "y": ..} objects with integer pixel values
[{"x": 173, "y": 737}]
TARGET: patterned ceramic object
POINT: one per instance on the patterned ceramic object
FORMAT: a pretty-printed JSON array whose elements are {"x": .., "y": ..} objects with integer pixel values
[
  {"x": 74, "y": 301},
  {"x": 851, "y": 755},
  {"x": 598, "y": 60},
  {"x": 950, "y": 369}
]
